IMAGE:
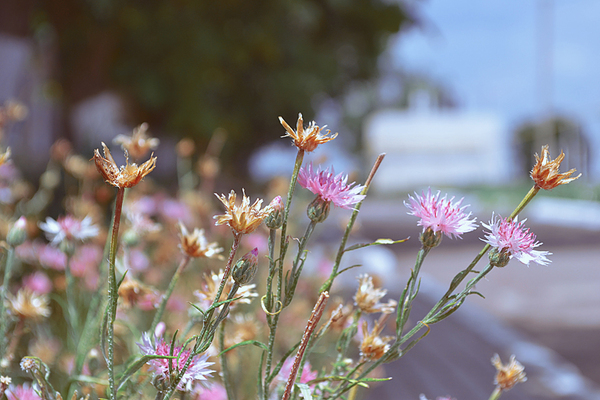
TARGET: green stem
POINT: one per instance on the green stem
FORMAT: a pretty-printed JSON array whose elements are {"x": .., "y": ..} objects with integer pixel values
[
  {"x": 161, "y": 308},
  {"x": 204, "y": 339},
  {"x": 4, "y": 318},
  {"x": 410, "y": 293},
  {"x": 528, "y": 197},
  {"x": 113, "y": 294},
  {"x": 269, "y": 294},
  {"x": 73, "y": 316},
  {"x": 224, "y": 367},
  {"x": 338, "y": 258},
  {"x": 297, "y": 266},
  {"x": 496, "y": 394}
]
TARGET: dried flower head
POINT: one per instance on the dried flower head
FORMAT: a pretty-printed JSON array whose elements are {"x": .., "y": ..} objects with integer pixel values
[
  {"x": 29, "y": 305},
  {"x": 511, "y": 237},
  {"x": 508, "y": 375},
  {"x": 210, "y": 285},
  {"x": 132, "y": 292},
  {"x": 4, "y": 157},
  {"x": 244, "y": 218},
  {"x": 440, "y": 214},
  {"x": 128, "y": 175},
  {"x": 373, "y": 346},
  {"x": 196, "y": 371},
  {"x": 138, "y": 144},
  {"x": 306, "y": 139},
  {"x": 545, "y": 171},
  {"x": 68, "y": 228},
  {"x": 367, "y": 297},
  {"x": 195, "y": 244},
  {"x": 330, "y": 187},
  {"x": 243, "y": 327}
]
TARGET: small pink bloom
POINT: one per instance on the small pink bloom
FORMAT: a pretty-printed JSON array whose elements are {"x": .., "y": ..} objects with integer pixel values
[
  {"x": 51, "y": 257},
  {"x": 213, "y": 392},
  {"x": 68, "y": 228},
  {"x": 22, "y": 392},
  {"x": 38, "y": 282},
  {"x": 440, "y": 214},
  {"x": 307, "y": 374},
  {"x": 513, "y": 237},
  {"x": 197, "y": 370},
  {"x": 330, "y": 187}
]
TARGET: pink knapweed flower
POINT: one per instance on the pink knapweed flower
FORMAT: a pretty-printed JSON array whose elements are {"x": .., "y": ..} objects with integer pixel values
[
  {"x": 330, "y": 187},
  {"x": 213, "y": 392},
  {"x": 38, "y": 282},
  {"x": 68, "y": 228},
  {"x": 197, "y": 371},
  {"x": 22, "y": 392},
  {"x": 440, "y": 214},
  {"x": 515, "y": 239},
  {"x": 307, "y": 374}
]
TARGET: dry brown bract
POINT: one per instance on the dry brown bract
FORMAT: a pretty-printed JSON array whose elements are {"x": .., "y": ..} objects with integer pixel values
[
  {"x": 545, "y": 172},
  {"x": 508, "y": 375},
  {"x": 367, "y": 297},
  {"x": 4, "y": 157},
  {"x": 373, "y": 346},
  {"x": 128, "y": 175},
  {"x": 195, "y": 244},
  {"x": 306, "y": 139},
  {"x": 244, "y": 218},
  {"x": 30, "y": 306},
  {"x": 138, "y": 144}
]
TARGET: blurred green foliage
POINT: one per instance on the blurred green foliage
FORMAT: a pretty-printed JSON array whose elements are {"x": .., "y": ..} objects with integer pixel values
[{"x": 191, "y": 66}]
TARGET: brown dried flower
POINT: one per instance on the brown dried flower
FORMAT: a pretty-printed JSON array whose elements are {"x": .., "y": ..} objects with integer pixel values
[
  {"x": 210, "y": 285},
  {"x": 29, "y": 305},
  {"x": 545, "y": 171},
  {"x": 508, "y": 375},
  {"x": 131, "y": 292},
  {"x": 244, "y": 218},
  {"x": 195, "y": 244},
  {"x": 373, "y": 346},
  {"x": 128, "y": 175},
  {"x": 4, "y": 157},
  {"x": 138, "y": 144},
  {"x": 306, "y": 139},
  {"x": 367, "y": 297}
]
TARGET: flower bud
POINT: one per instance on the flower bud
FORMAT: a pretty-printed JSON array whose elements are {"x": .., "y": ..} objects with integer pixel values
[
  {"x": 245, "y": 269},
  {"x": 431, "y": 239},
  {"x": 18, "y": 233},
  {"x": 131, "y": 238},
  {"x": 275, "y": 219},
  {"x": 318, "y": 209},
  {"x": 499, "y": 258}
]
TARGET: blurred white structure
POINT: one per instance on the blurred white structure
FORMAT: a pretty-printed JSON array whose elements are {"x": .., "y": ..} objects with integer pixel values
[{"x": 449, "y": 148}]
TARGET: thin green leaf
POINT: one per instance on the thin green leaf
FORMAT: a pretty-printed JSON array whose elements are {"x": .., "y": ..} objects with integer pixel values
[
  {"x": 304, "y": 391},
  {"x": 135, "y": 366},
  {"x": 377, "y": 242},
  {"x": 254, "y": 342}
]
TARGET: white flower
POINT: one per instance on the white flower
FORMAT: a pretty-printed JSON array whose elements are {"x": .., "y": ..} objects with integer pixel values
[{"x": 68, "y": 228}]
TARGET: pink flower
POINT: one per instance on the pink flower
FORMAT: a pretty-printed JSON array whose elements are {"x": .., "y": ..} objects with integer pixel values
[
  {"x": 51, "y": 257},
  {"x": 38, "y": 282},
  {"x": 68, "y": 228},
  {"x": 441, "y": 215},
  {"x": 22, "y": 392},
  {"x": 197, "y": 370},
  {"x": 329, "y": 187},
  {"x": 307, "y": 374},
  {"x": 515, "y": 239},
  {"x": 213, "y": 392}
]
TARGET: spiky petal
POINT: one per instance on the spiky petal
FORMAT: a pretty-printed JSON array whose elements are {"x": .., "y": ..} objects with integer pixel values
[
  {"x": 440, "y": 214},
  {"x": 244, "y": 218},
  {"x": 330, "y": 187},
  {"x": 511, "y": 236},
  {"x": 545, "y": 171},
  {"x": 306, "y": 139}
]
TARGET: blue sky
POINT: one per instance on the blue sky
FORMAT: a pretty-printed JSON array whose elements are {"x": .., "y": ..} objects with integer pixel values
[{"x": 487, "y": 53}]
